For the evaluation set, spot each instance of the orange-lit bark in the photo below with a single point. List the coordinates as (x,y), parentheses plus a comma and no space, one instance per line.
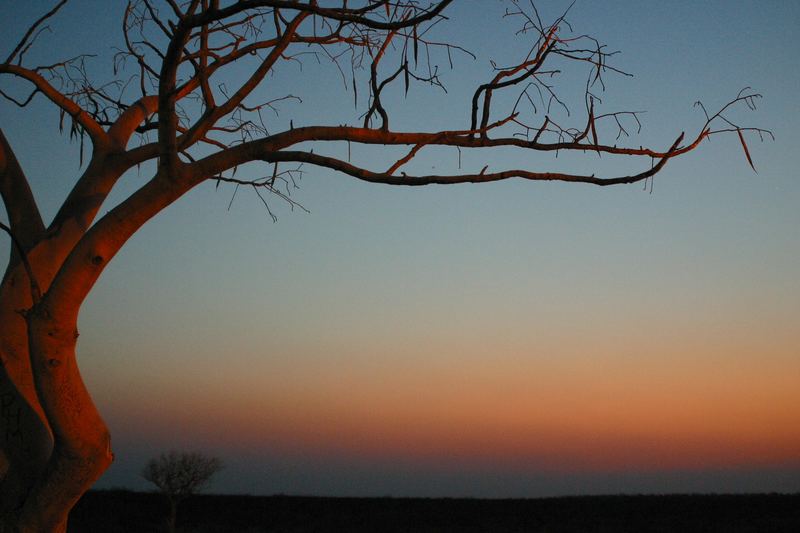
(81,443)
(26,440)
(53,441)
(37,398)
(26,443)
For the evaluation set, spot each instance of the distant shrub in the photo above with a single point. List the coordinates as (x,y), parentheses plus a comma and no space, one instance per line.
(178,475)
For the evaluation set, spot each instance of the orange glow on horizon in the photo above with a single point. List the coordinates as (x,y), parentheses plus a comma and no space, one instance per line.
(564,413)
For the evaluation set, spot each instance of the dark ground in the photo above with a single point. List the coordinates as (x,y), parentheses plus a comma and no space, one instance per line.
(123,511)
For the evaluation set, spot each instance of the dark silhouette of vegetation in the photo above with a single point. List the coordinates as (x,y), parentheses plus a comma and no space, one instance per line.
(131,512)
(178,475)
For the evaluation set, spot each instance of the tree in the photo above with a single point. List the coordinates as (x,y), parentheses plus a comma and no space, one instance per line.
(178,108)
(179,475)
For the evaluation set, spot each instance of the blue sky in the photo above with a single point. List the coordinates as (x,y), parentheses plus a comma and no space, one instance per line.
(428,341)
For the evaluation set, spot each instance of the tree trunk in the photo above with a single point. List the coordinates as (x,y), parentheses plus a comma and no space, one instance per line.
(25,439)
(64,445)
(172,521)
(81,442)
(53,443)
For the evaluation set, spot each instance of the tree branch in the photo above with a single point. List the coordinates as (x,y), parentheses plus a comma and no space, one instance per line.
(219,162)
(214,114)
(340,14)
(482,177)
(23,43)
(36,293)
(89,192)
(24,218)
(78,114)
(130,119)
(104,238)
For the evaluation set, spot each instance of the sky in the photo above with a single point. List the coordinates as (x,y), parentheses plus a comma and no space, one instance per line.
(513,339)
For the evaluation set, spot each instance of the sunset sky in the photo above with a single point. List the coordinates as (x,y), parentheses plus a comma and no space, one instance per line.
(512,339)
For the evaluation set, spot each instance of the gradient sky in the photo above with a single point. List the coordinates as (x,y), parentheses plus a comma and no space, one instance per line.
(511,339)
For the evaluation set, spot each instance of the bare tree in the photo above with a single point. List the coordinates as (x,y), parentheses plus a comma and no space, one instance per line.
(178,475)
(173,106)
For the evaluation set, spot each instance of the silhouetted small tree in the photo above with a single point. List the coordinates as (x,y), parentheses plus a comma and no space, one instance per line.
(178,475)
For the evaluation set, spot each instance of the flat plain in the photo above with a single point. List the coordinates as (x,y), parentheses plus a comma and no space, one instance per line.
(121,511)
